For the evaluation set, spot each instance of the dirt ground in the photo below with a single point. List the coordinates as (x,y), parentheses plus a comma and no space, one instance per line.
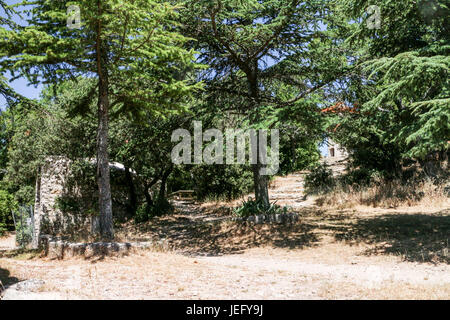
(331,271)
(358,253)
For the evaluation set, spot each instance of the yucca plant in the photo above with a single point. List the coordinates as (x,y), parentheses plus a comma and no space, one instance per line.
(252,207)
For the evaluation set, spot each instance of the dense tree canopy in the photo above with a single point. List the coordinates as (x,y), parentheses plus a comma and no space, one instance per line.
(266,60)
(401,92)
(132,48)
(119,83)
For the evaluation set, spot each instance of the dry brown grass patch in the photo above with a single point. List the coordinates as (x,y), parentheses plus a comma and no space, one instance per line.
(387,195)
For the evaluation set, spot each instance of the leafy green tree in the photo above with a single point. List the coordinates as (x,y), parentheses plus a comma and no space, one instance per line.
(6,22)
(264,56)
(7,204)
(142,145)
(403,89)
(48,129)
(131,48)
(145,147)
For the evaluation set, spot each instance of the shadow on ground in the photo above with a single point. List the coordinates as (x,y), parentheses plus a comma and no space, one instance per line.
(221,237)
(6,279)
(415,237)
(22,254)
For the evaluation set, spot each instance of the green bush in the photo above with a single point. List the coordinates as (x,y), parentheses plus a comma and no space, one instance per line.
(161,207)
(362,177)
(24,230)
(253,207)
(320,179)
(221,181)
(142,213)
(7,205)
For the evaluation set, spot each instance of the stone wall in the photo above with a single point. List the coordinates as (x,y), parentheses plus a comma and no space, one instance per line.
(51,185)
(55,182)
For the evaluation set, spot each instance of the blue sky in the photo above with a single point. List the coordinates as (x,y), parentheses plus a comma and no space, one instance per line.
(20,85)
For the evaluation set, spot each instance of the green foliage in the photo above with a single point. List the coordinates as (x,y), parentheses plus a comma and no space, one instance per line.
(132,48)
(6,20)
(272,64)
(362,177)
(403,88)
(7,205)
(141,52)
(320,179)
(297,156)
(48,130)
(420,86)
(227,181)
(252,207)
(24,230)
(57,129)
(269,63)
(370,141)
(142,214)
(161,207)
(68,204)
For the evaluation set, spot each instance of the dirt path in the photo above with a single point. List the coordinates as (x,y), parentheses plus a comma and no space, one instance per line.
(258,274)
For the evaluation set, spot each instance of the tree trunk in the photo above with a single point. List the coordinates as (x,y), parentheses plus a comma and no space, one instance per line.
(148,197)
(162,189)
(103,174)
(260,181)
(261,185)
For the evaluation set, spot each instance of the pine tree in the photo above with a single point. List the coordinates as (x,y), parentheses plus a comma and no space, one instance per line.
(6,21)
(407,72)
(265,54)
(130,47)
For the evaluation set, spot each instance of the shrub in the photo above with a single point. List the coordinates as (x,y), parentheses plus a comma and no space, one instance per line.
(161,207)
(7,205)
(221,181)
(320,179)
(252,207)
(361,177)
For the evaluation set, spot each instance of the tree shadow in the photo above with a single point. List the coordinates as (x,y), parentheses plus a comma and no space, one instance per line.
(223,237)
(20,253)
(6,279)
(415,237)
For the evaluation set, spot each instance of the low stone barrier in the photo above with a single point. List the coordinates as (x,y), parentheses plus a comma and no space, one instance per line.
(58,249)
(285,218)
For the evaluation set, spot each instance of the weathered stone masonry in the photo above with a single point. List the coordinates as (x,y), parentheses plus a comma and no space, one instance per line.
(49,186)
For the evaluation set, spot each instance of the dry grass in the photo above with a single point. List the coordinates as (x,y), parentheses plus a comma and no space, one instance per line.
(412,234)
(217,238)
(391,194)
(385,291)
(331,271)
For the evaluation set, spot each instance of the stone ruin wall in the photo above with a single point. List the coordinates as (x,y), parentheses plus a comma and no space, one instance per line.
(50,185)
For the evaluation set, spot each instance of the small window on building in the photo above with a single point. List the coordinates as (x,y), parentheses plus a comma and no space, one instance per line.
(332,152)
